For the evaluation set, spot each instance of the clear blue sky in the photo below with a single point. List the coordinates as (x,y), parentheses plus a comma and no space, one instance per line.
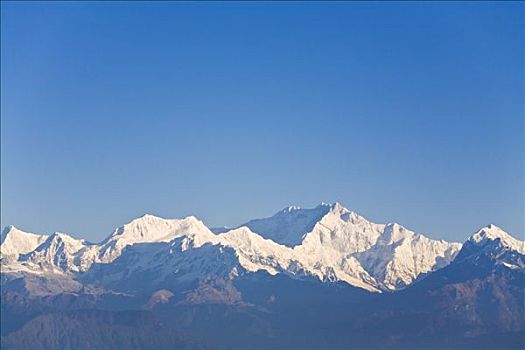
(402,112)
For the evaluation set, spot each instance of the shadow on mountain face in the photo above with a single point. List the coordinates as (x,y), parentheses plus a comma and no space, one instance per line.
(476,302)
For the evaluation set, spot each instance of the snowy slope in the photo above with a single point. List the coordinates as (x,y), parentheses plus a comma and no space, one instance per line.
(150,266)
(63,252)
(257,253)
(290,225)
(399,256)
(150,228)
(491,246)
(15,241)
(342,245)
(328,242)
(492,233)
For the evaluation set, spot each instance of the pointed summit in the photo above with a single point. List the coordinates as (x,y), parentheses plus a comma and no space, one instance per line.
(491,247)
(336,207)
(494,233)
(5,231)
(58,250)
(59,238)
(15,241)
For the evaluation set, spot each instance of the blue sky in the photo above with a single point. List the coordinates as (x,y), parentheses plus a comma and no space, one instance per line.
(402,112)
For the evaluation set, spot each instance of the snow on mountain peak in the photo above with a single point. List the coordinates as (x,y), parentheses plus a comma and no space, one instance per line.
(288,226)
(335,207)
(290,209)
(394,232)
(332,242)
(60,237)
(393,255)
(6,231)
(150,228)
(400,255)
(257,253)
(59,250)
(328,241)
(15,241)
(493,233)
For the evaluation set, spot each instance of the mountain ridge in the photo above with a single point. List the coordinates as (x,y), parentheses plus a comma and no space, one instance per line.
(350,283)
(339,245)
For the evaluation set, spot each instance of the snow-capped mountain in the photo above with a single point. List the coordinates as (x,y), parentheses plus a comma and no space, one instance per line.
(491,246)
(14,241)
(347,247)
(290,225)
(276,284)
(399,256)
(150,228)
(61,252)
(328,242)
(494,233)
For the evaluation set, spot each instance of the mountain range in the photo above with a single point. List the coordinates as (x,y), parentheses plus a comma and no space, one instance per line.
(324,277)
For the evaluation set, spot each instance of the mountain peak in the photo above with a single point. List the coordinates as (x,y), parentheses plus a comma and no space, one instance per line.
(150,228)
(323,206)
(338,208)
(153,219)
(7,231)
(15,241)
(149,216)
(288,226)
(327,241)
(493,233)
(60,236)
(289,209)
(58,239)
(146,218)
